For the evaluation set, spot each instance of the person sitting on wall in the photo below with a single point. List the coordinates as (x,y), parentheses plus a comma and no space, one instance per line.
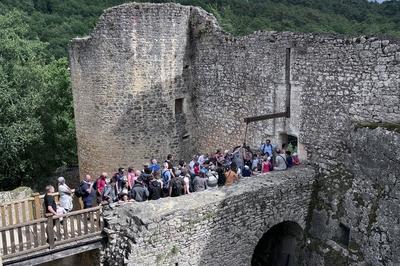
(267,147)
(280,161)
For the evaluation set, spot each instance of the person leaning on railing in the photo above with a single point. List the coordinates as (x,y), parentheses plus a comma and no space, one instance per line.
(50,206)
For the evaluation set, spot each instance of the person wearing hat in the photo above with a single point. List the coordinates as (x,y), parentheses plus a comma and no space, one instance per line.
(65,194)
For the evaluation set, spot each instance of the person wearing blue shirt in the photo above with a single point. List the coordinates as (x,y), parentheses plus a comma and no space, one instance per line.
(267,147)
(154,166)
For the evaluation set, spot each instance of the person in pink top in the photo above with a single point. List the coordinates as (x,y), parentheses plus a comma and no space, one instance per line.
(265,166)
(100,185)
(131,177)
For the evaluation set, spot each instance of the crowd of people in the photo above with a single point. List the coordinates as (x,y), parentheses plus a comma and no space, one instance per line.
(173,178)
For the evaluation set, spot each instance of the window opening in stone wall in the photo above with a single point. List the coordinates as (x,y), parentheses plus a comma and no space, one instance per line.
(344,235)
(179,106)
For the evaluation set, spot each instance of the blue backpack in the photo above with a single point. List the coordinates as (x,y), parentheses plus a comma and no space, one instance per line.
(165,179)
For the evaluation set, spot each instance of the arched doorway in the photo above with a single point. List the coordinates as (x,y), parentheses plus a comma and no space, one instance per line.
(281,245)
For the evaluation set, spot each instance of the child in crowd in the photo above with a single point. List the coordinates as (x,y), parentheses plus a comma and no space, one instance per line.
(265,166)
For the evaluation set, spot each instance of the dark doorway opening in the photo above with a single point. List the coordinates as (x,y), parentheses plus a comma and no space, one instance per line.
(289,142)
(281,245)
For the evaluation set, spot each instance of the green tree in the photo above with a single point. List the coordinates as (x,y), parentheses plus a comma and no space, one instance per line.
(35,106)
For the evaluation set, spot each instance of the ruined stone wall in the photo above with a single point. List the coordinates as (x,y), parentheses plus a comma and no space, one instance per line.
(181,52)
(140,58)
(336,83)
(364,199)
(126,77)
(220,227)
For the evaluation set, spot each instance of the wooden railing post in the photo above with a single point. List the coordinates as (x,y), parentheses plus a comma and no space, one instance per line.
(50,230)
(37,206)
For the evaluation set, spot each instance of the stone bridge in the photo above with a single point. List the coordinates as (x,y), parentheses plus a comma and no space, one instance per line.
(259,219)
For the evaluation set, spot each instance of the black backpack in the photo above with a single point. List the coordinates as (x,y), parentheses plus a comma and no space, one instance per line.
(176,187)
(78,191)
(155,190)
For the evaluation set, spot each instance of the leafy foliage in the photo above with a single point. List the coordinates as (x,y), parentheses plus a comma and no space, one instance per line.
(36,124)
(57,22)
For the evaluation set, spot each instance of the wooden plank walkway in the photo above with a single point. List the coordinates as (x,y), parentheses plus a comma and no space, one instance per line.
(25,231)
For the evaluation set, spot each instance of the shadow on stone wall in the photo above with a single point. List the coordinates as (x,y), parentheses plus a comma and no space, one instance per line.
(267,237)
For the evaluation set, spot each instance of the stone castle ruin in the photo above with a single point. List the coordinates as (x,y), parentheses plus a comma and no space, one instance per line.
(154,79)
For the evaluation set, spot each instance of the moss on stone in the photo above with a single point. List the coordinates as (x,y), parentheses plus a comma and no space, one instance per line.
(174,250)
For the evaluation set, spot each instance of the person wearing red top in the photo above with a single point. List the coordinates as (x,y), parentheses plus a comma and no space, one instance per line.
(101,184)
(196,168)
(265,166)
